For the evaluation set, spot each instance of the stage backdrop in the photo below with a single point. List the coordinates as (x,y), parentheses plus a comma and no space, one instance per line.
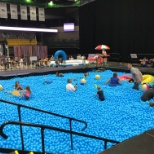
(127,26)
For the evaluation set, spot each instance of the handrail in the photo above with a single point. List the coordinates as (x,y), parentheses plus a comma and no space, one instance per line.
(51,113)
(43,127)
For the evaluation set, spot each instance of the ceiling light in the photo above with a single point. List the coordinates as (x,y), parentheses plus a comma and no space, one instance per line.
(29,29)
(28,1)
(50,3)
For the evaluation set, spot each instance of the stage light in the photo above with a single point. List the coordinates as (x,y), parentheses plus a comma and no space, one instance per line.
(28,1)
(29,29)
(50,3)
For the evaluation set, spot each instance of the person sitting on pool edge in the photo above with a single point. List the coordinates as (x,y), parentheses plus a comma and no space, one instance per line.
(148,94)
(113,81)
(17,86)
(26,93)
(100,93)
(70,86)
(144,62)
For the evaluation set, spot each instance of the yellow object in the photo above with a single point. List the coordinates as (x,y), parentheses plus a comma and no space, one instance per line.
(18,42)
(147,79)
(97,77)
(1,87)
(16,93)
(16,152)
(31,152)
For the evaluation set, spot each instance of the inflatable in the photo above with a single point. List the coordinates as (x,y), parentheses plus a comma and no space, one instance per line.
(125,77)
(83,81)
(97,77)
(147,79)
(60,53)
(145,87)
(75,62)
(16,93)
(1,87)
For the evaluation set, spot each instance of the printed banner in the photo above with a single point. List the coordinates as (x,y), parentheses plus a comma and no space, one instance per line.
(32,13)
(23,12)
(13,11)
(3,10)
(41,14)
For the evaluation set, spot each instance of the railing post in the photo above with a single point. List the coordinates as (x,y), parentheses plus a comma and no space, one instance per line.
(71,138)
(42,138)
(105,145)
(22,140)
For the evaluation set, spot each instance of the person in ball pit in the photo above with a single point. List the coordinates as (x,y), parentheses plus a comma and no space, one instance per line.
(70,86)
(113,81)
(17,86)
(100,93)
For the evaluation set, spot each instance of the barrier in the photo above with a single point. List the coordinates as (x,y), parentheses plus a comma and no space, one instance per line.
(60,53)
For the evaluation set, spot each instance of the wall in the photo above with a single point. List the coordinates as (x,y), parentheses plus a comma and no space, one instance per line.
(67,41)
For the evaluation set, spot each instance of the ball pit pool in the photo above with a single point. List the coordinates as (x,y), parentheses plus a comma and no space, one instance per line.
(121,116)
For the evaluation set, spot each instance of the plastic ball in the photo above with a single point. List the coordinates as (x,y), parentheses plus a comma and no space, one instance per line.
(1,87)
(82,81)
(145,87)
(97,77)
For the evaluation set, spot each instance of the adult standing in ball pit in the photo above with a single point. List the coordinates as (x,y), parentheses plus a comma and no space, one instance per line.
(100,93)
(148,94)
(104,54)
(70,86)
(113,81)
(137,76)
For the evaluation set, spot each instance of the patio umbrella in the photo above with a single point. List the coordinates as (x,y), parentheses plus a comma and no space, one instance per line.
(101,47)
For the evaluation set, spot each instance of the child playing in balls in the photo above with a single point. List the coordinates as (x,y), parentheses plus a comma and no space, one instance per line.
(113,81)
(59,74)
(26,93)
(17,86)
(100,93)
(86,74)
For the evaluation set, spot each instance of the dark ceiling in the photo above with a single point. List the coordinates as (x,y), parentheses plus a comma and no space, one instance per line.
(45,3)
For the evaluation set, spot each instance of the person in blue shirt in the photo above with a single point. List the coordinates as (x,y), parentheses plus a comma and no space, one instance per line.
(113,81)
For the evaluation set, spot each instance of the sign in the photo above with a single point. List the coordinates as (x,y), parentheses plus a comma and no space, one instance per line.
(23,12)
(3,10)
(32,13)
(33,58)
(41,14)
(13,11)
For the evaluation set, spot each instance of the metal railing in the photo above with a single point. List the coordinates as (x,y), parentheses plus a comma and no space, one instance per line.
(43,127)
(50,113)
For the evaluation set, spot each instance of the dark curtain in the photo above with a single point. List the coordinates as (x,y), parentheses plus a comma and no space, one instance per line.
(86,28)
(127,26)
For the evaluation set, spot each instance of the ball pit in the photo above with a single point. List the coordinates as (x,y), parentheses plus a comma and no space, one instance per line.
(121,116)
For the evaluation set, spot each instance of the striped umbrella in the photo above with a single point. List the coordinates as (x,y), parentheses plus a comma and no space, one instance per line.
(101,47)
